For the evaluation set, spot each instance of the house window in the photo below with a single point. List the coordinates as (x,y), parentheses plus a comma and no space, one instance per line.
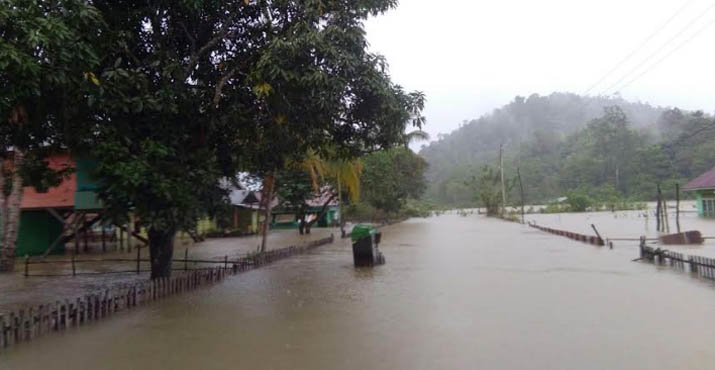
(709,207)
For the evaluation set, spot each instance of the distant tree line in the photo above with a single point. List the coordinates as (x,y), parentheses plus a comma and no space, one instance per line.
(562,147)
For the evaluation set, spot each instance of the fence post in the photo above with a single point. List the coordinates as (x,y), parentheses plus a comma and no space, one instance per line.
(3,342)
(225,262)
(27,265)
(186,259)
(642,245)
(138,260)
(78,307)
(104,239)
(20,327)
(13,335)
(74,272)
(31,327)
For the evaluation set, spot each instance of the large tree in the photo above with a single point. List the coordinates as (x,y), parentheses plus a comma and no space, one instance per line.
(391,177)
(194,90)
(46,62)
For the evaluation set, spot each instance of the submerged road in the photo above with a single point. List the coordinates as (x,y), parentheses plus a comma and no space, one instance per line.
(456,293)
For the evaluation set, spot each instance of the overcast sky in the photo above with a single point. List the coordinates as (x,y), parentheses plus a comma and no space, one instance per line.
(471,56)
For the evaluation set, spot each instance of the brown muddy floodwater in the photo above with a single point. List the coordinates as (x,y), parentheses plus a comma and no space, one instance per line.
(456,293)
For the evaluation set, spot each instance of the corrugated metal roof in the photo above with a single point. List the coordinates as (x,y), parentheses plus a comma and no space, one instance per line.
(237,196)
(323,197)
(704,181)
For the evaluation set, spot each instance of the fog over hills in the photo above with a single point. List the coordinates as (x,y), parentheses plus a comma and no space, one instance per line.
(565,141)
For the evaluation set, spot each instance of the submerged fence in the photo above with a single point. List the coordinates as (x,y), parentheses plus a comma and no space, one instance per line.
(595,240)
(26,324)
(74,266)
(703,266)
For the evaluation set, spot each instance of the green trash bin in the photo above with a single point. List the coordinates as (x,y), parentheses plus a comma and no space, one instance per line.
(365,240)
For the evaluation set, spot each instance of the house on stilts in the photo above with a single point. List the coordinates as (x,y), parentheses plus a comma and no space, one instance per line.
(704,188)
(69,215)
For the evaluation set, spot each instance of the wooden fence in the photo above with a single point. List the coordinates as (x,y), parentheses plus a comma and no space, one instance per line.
(703,266)
(135,265)
(26,324)
(595,240)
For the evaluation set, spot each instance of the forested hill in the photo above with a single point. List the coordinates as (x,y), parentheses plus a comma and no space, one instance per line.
(564,142)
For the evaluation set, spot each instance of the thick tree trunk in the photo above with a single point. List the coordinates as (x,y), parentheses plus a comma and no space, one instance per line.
(307,227)
(11,215)
(161,251)
(301,225)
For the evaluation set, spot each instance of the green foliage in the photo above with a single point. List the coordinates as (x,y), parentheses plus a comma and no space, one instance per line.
(417,208)
(586,198)
(47,60)
(487,188)
(391,177)
(564,142)
(295,189)
(170,97)
(171,120)
(578,201)
(363,212)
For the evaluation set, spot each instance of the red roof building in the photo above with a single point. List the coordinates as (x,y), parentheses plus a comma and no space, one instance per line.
(61,196)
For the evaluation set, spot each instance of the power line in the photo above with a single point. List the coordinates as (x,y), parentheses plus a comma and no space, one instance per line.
(666,44)
(639,47)
(666,56)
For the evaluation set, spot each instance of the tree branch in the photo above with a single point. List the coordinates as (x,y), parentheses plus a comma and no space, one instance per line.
(213,41)
(188,35)
(221,83)
(322,210)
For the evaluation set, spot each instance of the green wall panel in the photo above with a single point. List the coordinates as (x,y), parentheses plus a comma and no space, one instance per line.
(38,229)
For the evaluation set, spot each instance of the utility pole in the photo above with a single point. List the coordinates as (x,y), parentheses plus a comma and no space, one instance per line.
(501,170)
(658,213)
(677,207)
(521,191)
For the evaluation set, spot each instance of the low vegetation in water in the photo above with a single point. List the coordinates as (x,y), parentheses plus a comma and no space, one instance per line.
(593,200)
(364,212)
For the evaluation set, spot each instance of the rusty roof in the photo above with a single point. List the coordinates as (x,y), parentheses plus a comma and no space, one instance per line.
(704,181)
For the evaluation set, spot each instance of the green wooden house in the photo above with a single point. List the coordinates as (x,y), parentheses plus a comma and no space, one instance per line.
(704,188)
(283,218)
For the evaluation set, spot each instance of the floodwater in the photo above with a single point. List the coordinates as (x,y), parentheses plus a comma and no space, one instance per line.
(633,224)
(456,293)
(19,291)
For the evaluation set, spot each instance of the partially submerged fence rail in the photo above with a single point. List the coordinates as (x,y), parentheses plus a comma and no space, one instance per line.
(28,323)
(703,266)
(595,240)
(121,265)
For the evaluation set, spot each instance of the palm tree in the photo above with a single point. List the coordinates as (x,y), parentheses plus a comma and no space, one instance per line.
(343,171)
(346,172)
(416,106)
(416,135)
